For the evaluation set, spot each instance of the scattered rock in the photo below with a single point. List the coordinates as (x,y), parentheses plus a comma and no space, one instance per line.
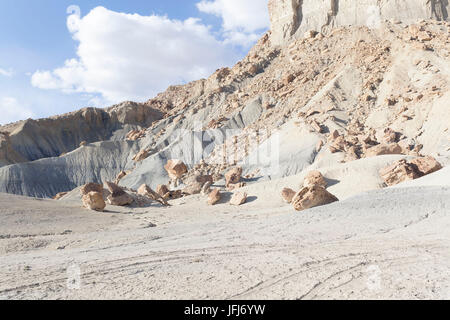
(91,187)
(288,194)
(310,197)
(173,195)
(235,186)
(426,165)
(94,201)
(175,169)
(238,198)
(315,178)
(118,196)
(145,190)
(141,156)
(233,176)
(214,197)
(399,172)
(162,190)
(384,149)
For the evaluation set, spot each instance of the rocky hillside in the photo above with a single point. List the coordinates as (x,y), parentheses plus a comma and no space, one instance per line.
(314,91)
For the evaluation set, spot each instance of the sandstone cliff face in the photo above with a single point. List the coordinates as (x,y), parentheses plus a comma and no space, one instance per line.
(292,18)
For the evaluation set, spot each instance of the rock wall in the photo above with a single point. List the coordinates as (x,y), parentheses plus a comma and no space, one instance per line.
(292,18)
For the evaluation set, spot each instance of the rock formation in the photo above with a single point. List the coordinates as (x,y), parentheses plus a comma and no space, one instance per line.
(291,19)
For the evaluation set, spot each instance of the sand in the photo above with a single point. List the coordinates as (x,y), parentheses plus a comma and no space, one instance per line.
(381,244)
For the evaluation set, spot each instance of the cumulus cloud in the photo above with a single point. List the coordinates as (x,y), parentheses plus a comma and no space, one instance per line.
(133,57)
(6,73)
(11,110)
(243,20)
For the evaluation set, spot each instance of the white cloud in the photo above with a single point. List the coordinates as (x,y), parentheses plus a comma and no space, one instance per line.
(6,73)
(11,110)
(133,57)
(243,20)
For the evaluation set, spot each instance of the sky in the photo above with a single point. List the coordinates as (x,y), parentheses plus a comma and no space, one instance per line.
(57,56)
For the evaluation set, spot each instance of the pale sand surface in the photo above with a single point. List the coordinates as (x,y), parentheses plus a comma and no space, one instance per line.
(391,243)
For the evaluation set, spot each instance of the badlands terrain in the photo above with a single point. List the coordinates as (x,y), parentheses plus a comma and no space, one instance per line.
(315,168)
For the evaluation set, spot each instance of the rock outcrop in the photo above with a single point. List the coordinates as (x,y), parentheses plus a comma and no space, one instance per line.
(310,197)
(293,18)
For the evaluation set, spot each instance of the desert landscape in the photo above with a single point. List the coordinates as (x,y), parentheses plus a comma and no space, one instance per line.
(318,167)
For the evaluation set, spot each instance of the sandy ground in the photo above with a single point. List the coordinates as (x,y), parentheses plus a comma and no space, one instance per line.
(391,243)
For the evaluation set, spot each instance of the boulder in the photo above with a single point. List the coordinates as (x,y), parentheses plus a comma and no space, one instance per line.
(194,184)
(175,169)
(94,201)
(426,165)
(238,198)
(162,189)
(214,197)
(233,176)
(310,197)
(399,172)
(91,187)
(315,178)
(288,194)
(118,196)
(384,149)
(145,190)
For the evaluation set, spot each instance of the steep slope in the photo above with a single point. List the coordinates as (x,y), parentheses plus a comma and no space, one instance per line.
(275,110)
(31,140)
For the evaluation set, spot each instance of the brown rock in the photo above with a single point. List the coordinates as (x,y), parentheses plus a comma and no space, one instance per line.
(141,156)
(94,201)
(91,187)
(390,136)
(120,176)
(310,197)
(162,190)
(60,195)
(399,172)
(83,143)
(314,178)
(145,190)
(233,176)
(173,195)
(239,198)
(426,165)
(214,197)
(194,184)
(288,194)
(384,149)
(120,200)
(176,169)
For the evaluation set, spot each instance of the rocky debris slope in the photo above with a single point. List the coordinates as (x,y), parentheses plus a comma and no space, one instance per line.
(318,100)
(293,18)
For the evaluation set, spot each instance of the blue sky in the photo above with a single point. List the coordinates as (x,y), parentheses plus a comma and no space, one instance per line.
(54,61)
